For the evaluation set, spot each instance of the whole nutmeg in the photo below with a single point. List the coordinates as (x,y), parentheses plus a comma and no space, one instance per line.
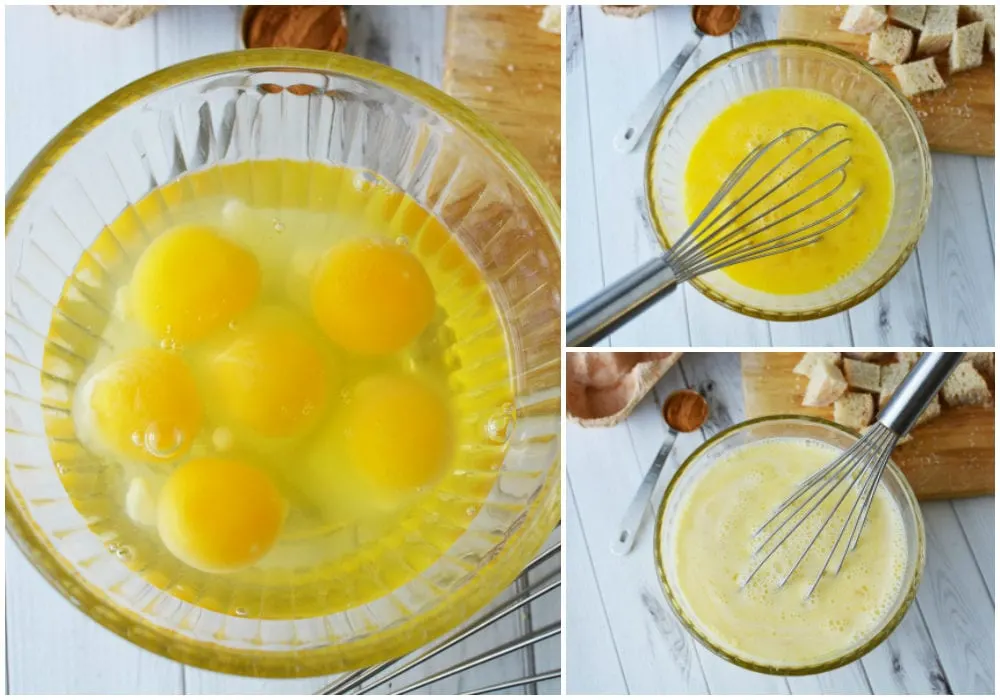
(322,27)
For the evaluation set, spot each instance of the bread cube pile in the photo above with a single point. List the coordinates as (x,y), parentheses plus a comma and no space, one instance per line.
(859,384)
(907,37)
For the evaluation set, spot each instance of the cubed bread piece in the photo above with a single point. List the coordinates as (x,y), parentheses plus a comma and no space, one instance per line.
(863,19)
(868,356)
(889,44)
(909,15)
(976,13)
(940,24)
(810,359)
(933,410)
(965,387)
(892,376)
(908,358)
(918,76)
(826,385)
(984,362)
(966,50)
(854,410)
(862,375)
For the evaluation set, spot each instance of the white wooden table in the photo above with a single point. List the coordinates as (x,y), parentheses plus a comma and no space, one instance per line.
(621,636)
(944,294)
(56,68)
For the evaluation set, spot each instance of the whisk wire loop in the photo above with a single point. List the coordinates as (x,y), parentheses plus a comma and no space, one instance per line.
(717,239)
(862,463)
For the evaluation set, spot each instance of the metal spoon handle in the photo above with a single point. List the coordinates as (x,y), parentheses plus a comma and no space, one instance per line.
(918,390)
(610,309)
(638,121)
(625,539)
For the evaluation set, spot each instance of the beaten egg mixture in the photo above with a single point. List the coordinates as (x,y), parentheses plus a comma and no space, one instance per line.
(758,118)
(289,380)
(712,554)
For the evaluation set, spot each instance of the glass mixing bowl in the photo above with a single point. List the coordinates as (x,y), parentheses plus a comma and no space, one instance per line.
(307,106)
(802,427)
(802,64)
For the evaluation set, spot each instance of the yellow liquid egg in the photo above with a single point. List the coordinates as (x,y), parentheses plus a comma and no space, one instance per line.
(398,432)
(191,281)
(271,378)
(144,405)
(219,515)
(330,358)
(755,120)
(372,296)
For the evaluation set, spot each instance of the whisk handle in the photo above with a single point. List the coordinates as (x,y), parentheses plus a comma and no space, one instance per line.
(918,390)
(619,303)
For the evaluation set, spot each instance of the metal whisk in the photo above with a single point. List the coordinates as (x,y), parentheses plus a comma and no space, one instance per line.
(856,472)
(733,234)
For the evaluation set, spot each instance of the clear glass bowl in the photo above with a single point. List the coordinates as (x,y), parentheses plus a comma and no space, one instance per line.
(788,426)
(802,64)
(307,106)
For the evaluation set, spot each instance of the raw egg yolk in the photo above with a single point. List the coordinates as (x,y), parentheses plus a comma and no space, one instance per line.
(272,378)
(190,281)
(219,515)
(372,296)
(145,405)
(398,432)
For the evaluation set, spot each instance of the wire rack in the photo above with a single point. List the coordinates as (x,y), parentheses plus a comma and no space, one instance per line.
(419,671)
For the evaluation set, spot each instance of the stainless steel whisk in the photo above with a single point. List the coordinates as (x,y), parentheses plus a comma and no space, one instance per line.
(863,463)
(718,239)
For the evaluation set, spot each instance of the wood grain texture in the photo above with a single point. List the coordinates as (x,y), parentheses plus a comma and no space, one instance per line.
(620,633)
(958,119)
(508,70)
(949,457)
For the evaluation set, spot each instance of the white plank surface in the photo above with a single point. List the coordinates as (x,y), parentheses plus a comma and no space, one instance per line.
(51,647)
(620,632)
(943,296)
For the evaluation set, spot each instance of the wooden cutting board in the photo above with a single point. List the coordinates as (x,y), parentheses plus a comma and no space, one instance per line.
(503,66)
(950,456)
(958,119)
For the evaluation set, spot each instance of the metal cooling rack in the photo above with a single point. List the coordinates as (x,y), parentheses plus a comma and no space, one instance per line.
(528,588)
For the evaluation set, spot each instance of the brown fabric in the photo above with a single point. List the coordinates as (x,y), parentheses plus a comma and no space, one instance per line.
(602,388)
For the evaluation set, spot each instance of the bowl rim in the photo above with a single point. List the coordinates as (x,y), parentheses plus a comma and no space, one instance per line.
(919,223)
(421,628)
(842,660)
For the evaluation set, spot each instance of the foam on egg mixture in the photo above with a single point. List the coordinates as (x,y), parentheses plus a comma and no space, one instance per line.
(710,554)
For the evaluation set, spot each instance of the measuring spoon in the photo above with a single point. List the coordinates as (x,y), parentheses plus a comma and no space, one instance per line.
(706,20)
(684,411)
